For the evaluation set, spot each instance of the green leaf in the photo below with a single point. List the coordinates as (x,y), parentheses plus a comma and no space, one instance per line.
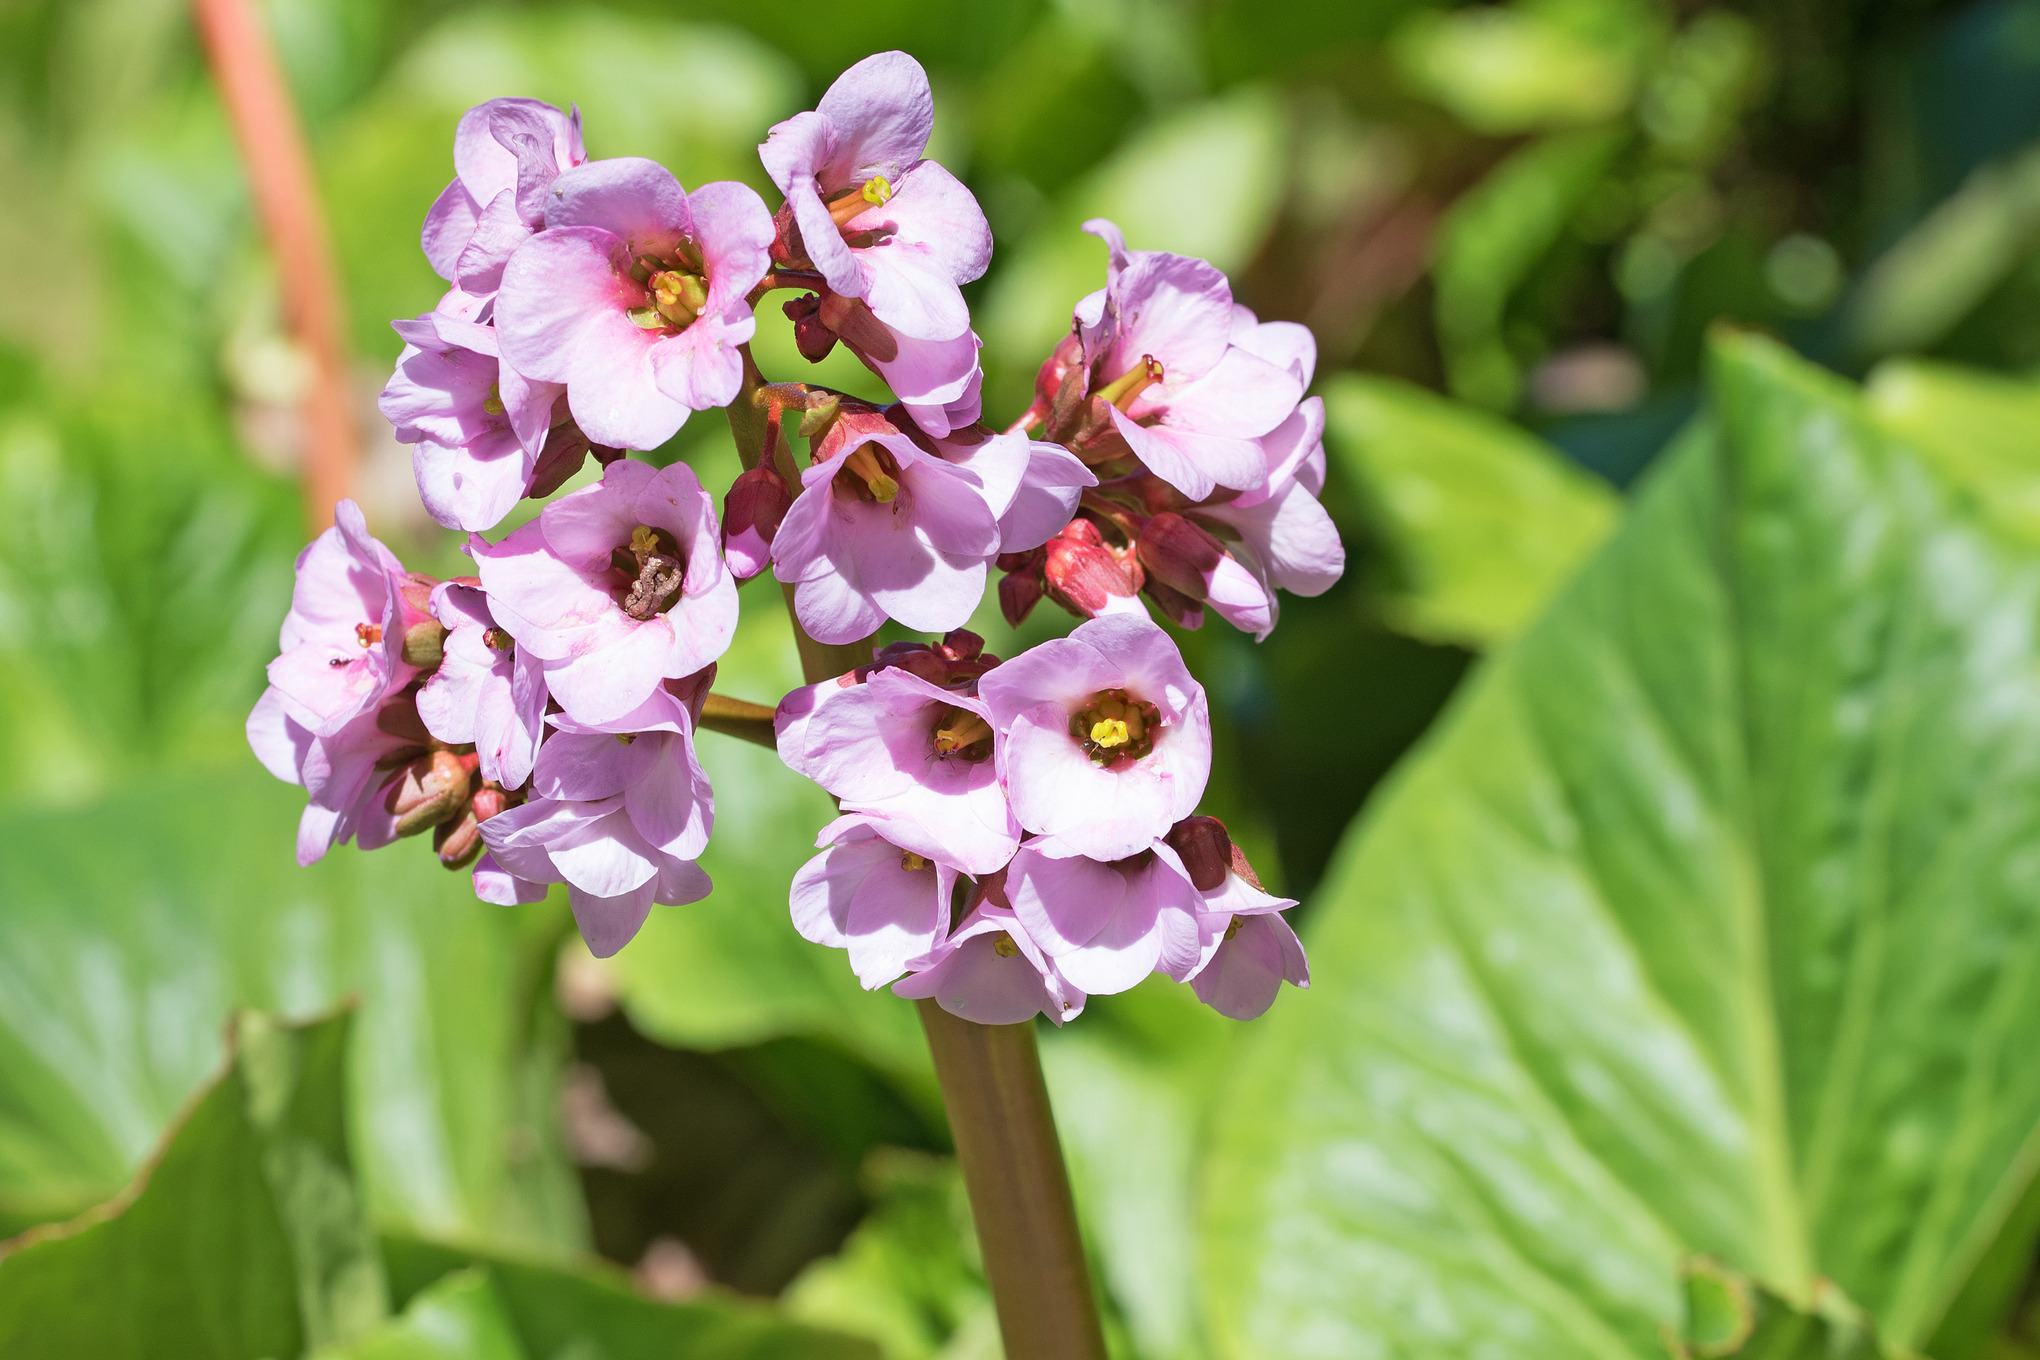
(1703,924)
(1980,431)
(1728,1314)
(245,1238)
(134,927)
(593,1314)
(1526,67)
(1483,521)
(1491,241)
(461,1317)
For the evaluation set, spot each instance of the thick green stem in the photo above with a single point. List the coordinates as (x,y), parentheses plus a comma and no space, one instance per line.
(991,1081)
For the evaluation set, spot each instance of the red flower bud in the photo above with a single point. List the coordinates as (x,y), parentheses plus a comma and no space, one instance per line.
(1180,554)
(788,250)
(756,503)
(1021,588)
(1059,387)
(810,335)
(1083,574)
(1205,848)
(851,318)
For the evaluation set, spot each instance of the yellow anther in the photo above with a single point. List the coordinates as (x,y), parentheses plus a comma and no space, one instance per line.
(1003,946)
(1232,927)
(493,403)
(865,464)
(625,738)
(644,540)
(877,190)
(1111,732)
(966,729)
(368,634)
(874,192)
(912,862)
(1123,389)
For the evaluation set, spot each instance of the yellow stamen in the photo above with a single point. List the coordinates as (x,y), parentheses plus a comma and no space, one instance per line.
(644,540)
(678,296)
(1003,946)
(865,464)
(967,729)
(1123,389)
(874,193)
(493,403)
(625,738)
(912,862)
(1232,927)
(368,634)
(1111,732)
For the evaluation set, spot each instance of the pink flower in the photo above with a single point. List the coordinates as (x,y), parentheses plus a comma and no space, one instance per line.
(884,226)
(1161,377)
(634,297)
(1107,925)
(486,691)
(476,426)
(884,528)
(343,641)
(938,381)
(1243,950)
(647,756)
(915,754)
(868,895)
(990,970)
(1184,556)
(499,887)
(752,512)
(1106,737)
(506,154)
(615,587)
(344,775)
(1052,480)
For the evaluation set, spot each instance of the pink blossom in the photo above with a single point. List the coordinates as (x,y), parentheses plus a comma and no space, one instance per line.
(1184,556)
(884,528)
(486,691)
(1241,950)
(477,427)
(622,811)
(1161,376)
(342,642)
(752,512)
(883,226)
(344,775)
(867,894)
(615,587)
(499,887)
(1052,480)
(991,971)
(1280,532)
(634,297)
(938,381)
(1106,737)
(1107,925)
(506,154)
(910,752)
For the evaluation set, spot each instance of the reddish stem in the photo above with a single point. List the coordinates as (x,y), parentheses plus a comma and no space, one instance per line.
(279,169)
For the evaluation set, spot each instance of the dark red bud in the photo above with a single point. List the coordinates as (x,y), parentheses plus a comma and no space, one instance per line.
(1180,554)
(960,644)
(788,250)
(756,503)
(1177,607)
(1244,869)
(852,319)
(1059,387)
(566,449)
(1021,588)
(1205,848)
(810,335)
(1082,574)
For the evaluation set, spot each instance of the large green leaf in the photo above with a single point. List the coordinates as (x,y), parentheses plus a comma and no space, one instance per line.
(245,1239)
(1482,522)
(1705,923)
(132,928)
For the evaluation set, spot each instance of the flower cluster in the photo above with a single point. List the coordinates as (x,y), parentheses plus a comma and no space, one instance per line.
(1014,836)
(1018,836)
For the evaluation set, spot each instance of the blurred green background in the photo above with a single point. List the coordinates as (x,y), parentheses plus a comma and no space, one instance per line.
(1512,228)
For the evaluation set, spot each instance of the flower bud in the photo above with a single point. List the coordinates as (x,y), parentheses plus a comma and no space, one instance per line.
(1180,554)
(1187,567)
(813,338)
(1084,575)
(851,318)
(1059,387)
(431,790)
(1205,848)
(788,250)
(417,592)
(756,503)
(459,841)
(425,644)
(1021,588)
(488,801)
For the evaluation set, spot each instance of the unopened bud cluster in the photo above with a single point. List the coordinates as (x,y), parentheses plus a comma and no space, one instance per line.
(1015,836)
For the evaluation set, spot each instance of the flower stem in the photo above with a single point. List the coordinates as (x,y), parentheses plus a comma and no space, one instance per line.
(286,197)
(739,718)
(992,1088)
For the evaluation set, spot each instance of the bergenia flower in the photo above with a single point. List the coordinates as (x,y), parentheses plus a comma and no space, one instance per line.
(1105,737)
(342,643)
(1052,480)
(913,753)
(486,692)
(634,297)
(613,875)
(990,970)
(1244,951)
(477,426)
(872,897)
(884,528)
(345,775)
(1107,925)
(615,588)
(647,756)
(939,382)
(506,154)
(885,227)
(1161,378)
